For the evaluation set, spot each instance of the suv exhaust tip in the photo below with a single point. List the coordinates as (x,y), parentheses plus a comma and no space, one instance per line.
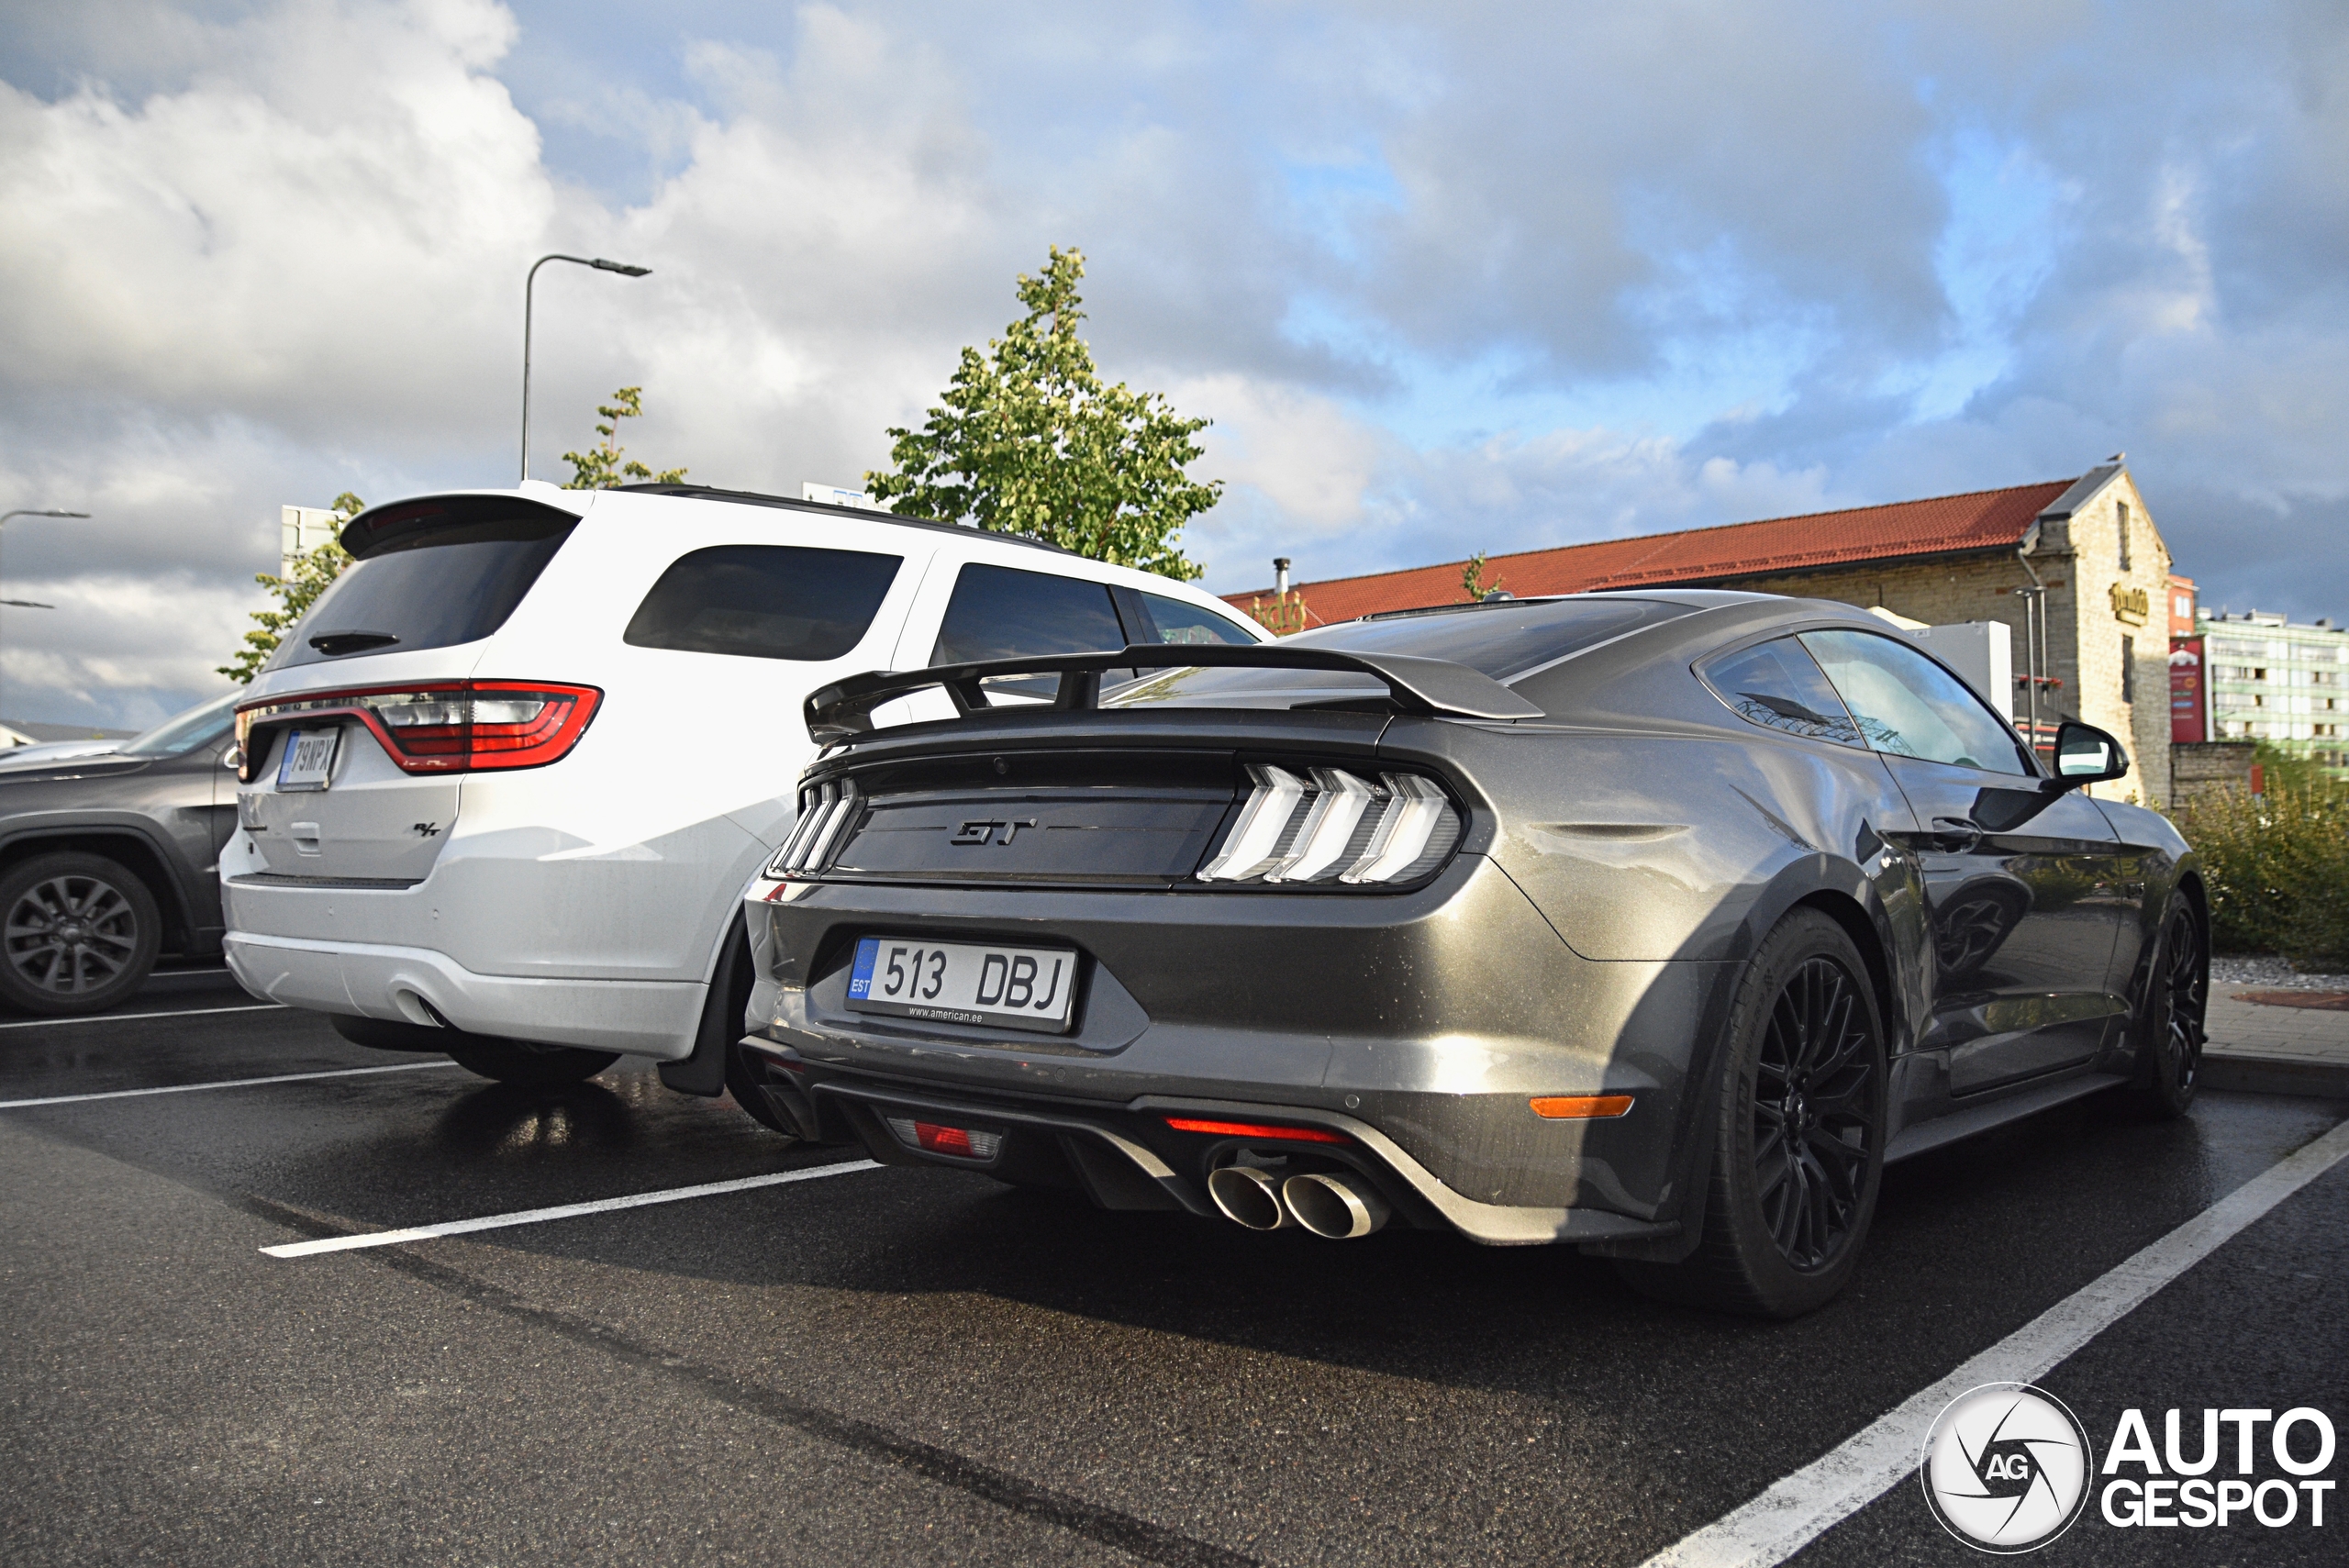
(1249,1197)
(1340,1207)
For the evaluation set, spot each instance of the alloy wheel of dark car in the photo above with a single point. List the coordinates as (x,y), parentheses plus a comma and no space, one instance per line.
(2169,1049)
(1799,1155)
(79,933)
(1814,1138)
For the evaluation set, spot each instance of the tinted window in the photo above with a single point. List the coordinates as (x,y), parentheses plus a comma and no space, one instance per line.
(1174,621)
(1910,707)
(1503,640)
(999,612)
(765,601)
(449,576)
(1779,686)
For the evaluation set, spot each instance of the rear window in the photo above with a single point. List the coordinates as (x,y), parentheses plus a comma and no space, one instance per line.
(431,575)
(765,601)
(1503,640)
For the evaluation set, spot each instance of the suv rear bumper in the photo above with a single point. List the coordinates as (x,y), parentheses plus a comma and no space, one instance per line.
(406,984)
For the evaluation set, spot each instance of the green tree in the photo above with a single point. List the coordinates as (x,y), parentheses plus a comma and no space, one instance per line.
(1473,586)
(312,575)
(606,465)
(1030,442)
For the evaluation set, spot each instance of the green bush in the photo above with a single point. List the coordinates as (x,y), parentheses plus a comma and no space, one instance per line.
(2279,870)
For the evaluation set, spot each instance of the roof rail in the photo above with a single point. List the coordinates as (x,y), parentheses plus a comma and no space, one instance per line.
(831,509)
(1418,686)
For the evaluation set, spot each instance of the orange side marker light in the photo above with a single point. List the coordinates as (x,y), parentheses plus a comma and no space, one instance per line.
(1581,1108)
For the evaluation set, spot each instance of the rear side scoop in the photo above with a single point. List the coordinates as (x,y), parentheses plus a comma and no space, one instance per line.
(1417,685)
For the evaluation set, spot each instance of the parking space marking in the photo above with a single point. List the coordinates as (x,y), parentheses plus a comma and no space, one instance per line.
(223,1084)
(560,1211)
(126,1017)
(1822,1494)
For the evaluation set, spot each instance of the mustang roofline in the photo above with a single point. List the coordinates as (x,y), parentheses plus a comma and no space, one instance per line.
(1418,686)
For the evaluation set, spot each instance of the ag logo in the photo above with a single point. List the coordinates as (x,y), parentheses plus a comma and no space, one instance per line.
(2007,1468)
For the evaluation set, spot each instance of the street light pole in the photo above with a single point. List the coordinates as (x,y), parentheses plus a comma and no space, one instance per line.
(530,283)
(31,512)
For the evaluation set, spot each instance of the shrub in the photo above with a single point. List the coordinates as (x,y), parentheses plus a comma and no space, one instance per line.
(2278,866)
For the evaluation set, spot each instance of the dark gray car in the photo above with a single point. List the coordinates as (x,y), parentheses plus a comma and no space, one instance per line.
(1652,922)
(109,862)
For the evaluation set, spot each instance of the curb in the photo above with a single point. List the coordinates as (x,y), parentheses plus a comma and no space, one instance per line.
(2274,1075)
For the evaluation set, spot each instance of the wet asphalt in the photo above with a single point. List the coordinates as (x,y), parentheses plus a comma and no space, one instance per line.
(920,1367)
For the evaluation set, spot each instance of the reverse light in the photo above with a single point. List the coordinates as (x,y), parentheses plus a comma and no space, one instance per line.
(443,727)
(1581,1108)
(1328,825)
(1256,1129)
(936,1138)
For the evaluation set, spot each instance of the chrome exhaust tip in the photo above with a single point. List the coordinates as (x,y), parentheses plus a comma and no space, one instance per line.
(1247,1196)
(1341,1207)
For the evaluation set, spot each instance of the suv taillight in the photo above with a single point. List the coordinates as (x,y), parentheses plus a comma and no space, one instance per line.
(1327,825)
(440,726)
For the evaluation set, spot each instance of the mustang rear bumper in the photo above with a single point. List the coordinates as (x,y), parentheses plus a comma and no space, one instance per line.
(1418,1026)
(1129,1157)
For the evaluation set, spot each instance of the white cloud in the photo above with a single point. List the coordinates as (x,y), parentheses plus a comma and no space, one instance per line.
(1590,273)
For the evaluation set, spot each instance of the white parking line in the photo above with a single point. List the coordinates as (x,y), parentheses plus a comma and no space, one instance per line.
(125,1017)
(223,1084)
(560,1211)
(1822,1494)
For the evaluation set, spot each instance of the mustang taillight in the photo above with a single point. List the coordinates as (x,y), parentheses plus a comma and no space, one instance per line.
(440,726)
(1327,825)
(824,810)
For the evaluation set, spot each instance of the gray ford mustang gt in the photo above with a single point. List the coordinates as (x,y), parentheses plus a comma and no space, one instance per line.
(1654,922)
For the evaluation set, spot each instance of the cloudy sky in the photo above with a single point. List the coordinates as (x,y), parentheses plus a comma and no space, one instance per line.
(1446,277)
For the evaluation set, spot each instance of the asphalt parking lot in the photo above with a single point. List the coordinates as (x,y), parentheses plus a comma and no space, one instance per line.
(890,1365)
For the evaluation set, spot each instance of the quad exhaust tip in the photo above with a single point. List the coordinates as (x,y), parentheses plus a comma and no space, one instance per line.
(1336,1206)
(1248,1197)
(1341,1207)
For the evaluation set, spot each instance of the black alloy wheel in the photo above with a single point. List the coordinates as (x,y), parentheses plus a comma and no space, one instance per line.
(2170,1017)
(79,933)
(1798,1131)
(1815,1131)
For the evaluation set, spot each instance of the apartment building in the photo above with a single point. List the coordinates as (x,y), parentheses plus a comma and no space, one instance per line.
(2279,681)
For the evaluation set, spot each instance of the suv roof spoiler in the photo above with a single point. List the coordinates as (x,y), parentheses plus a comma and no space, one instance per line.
(1418,686)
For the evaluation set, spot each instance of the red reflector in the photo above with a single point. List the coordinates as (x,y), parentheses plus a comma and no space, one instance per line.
(1581,1108)
(1255,1130)
(942,1140)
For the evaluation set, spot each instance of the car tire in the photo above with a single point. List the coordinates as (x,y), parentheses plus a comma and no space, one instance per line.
(2169,1019)
(78,934)
(1804,1059)
(530,1066)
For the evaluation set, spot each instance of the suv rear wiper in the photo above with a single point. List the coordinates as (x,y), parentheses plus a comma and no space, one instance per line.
(332,643)
(1417,685)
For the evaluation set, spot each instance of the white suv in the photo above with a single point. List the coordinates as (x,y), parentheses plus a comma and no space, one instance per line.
(504,787)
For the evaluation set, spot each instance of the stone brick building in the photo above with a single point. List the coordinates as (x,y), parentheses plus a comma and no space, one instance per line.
(2075,567)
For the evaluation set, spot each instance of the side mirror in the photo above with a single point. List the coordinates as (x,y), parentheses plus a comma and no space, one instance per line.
(2085,754)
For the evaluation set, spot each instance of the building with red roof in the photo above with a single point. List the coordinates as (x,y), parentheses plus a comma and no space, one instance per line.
(2073,567)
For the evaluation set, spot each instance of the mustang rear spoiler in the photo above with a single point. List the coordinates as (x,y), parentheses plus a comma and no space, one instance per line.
(1417,685)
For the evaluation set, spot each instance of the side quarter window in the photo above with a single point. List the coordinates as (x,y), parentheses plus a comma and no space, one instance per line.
(1172,620)
(765,601)
(1777,686)
(1910,707)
